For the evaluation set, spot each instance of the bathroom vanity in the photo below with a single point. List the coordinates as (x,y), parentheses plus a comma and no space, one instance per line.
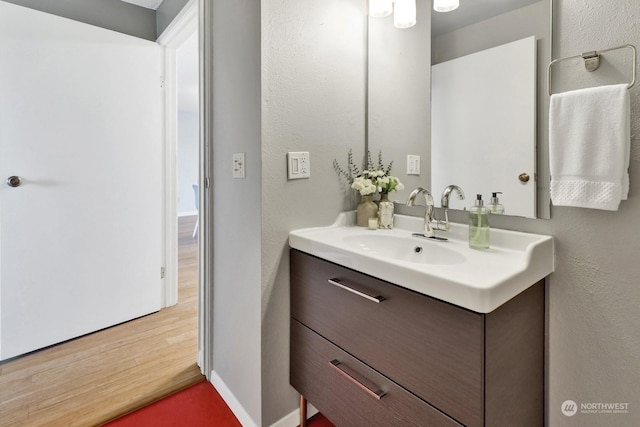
(372,352)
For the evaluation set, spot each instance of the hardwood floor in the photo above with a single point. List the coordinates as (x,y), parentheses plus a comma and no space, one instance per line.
(95,378)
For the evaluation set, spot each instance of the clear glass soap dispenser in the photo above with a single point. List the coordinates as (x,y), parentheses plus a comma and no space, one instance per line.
(479,225)
(495,207)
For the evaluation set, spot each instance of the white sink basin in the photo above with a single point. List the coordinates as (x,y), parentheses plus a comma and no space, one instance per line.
(479,280)
(404,248)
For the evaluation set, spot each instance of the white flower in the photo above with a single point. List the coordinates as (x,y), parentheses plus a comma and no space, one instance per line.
(376,181)
(364,186)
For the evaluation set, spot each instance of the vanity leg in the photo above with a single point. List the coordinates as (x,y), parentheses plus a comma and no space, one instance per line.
(303,411)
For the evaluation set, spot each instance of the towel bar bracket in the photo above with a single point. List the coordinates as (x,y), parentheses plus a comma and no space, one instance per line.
(591,60)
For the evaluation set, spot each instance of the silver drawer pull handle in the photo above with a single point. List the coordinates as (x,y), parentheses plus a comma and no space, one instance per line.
(349,374)
(336,282)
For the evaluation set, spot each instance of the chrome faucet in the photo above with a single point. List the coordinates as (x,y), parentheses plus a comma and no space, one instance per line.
(428,214)
(444,204)
(430,223)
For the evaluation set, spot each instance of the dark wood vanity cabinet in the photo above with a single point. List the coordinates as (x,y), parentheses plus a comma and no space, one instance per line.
(366,352)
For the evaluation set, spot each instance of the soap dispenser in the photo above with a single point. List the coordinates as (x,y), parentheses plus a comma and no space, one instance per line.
(479,225)
(495,207)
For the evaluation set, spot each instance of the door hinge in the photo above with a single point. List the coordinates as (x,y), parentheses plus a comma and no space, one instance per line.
(206,182)
(162,270)
(161,82)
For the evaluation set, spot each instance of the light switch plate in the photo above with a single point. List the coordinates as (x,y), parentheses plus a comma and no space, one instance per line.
(238,165)
(413,164)
(298,164)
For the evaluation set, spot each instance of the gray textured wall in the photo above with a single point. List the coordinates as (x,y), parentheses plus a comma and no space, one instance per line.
(237,202)
(594,344)
(111,14)
(313,77)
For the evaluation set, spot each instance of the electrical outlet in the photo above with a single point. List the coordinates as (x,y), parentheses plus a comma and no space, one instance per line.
(298,164)
(238,165)
(413,164)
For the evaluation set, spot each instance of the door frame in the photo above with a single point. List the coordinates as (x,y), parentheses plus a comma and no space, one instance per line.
(170,40)
(176,33)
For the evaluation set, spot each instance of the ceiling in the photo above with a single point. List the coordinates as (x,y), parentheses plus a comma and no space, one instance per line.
(149,4)
(472,11)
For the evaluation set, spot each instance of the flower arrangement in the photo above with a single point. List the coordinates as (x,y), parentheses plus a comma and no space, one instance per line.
(373,179)
(364,186)
(386,183)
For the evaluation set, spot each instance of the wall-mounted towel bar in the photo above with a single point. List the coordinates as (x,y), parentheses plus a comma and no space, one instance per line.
(592,62)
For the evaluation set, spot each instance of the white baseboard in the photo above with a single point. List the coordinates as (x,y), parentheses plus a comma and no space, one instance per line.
(290,420)
(233,403)
(293,419)
(187,213)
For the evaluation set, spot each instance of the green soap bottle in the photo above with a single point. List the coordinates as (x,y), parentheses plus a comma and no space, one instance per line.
(479,225)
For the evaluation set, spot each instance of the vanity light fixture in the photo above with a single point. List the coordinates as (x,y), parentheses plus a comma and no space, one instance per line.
(445,5)
(404,14)
(380,8)
(404,11)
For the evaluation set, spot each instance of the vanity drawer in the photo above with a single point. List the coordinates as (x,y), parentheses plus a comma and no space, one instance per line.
(432,348)
(350,392)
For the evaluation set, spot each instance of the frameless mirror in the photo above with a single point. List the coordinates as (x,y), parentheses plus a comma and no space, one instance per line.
(440,90)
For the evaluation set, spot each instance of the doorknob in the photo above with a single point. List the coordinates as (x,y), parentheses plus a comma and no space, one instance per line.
(523,177)
(14,181)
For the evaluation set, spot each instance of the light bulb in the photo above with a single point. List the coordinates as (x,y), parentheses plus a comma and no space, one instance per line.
(380,8)
(404,14)
(445,5)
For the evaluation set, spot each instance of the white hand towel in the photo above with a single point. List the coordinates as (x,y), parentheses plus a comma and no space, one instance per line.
(589,143)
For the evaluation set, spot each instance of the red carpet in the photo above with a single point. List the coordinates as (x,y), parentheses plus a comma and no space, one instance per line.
(318,420)
(198,405)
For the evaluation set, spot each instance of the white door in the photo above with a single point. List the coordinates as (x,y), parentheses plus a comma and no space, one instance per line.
(483,135)
(80,238)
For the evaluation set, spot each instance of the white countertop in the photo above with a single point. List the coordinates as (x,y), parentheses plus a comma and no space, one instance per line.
(479,280)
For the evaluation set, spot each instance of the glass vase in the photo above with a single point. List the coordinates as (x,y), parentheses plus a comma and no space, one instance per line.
(385,212)
(366,209)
